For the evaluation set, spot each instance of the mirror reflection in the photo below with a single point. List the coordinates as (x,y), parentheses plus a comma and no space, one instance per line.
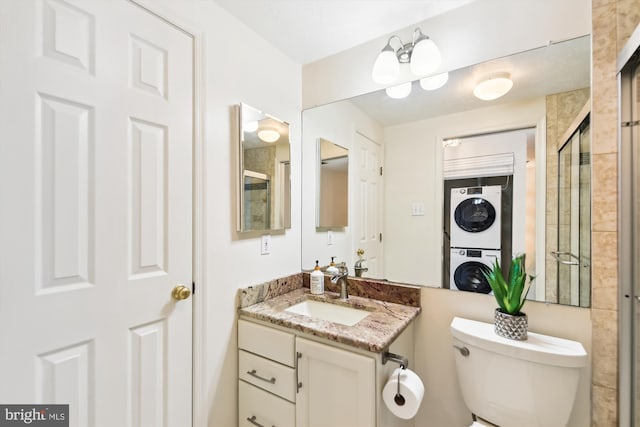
(264,164)
(550,89)
(333,185)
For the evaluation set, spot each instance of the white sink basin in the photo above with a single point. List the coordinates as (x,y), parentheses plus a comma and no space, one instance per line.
(331,312)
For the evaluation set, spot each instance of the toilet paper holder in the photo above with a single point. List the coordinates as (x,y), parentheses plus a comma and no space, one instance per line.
(401,360)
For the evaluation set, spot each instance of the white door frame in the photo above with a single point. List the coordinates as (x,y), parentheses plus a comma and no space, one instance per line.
(199,413)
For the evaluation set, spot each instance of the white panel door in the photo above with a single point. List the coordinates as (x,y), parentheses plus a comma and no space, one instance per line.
(367,204)
(95,211)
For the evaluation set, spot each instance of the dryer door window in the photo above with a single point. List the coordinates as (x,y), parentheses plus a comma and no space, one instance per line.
(469,277)
(475,215)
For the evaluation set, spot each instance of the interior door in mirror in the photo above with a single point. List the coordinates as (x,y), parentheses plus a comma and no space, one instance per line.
(333,188)
(264,181)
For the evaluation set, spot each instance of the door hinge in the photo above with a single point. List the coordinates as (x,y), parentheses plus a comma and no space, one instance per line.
(380,170)
(380,237)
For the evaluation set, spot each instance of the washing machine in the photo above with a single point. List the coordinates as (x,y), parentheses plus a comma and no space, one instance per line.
(475,217)
(467,267)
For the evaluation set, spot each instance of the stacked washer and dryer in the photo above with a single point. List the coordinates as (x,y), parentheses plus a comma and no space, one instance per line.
(475,236)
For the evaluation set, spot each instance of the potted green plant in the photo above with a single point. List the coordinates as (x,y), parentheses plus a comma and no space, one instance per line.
(510,321)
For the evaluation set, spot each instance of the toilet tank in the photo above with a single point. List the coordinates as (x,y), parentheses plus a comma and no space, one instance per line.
(511,383)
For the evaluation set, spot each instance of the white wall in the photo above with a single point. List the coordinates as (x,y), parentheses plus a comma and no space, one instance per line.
(239,66)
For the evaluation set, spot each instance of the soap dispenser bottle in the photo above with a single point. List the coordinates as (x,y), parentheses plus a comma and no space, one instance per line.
(332,269)
(317,280)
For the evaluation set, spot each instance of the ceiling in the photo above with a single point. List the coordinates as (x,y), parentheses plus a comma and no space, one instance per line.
(309,30)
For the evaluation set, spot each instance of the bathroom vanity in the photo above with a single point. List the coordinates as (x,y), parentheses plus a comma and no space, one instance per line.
(303,370)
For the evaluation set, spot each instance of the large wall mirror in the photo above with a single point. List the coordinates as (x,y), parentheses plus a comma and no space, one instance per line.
(435,143)
(264,179)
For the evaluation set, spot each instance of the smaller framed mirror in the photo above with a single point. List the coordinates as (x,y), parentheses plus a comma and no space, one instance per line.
(265,172)
(333,189)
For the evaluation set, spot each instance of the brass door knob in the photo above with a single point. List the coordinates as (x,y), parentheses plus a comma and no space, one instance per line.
(181,292)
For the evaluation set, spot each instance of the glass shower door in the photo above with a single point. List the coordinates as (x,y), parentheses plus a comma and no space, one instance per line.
(574,219)
(629,234)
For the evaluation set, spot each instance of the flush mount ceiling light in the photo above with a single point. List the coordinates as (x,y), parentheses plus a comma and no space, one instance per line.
(268,135)
(434,82)
(493,86)
(400,91)
(422,54)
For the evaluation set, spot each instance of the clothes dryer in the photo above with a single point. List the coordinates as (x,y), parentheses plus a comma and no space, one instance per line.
(467,268)
(475,217)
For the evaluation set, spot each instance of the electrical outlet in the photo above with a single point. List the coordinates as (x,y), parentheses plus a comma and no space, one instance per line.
(265,245)
(329,238)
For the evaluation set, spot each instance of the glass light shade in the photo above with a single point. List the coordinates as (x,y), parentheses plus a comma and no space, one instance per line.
(386,68)
(268,135)
(493,87)
(400,91)
(434,82)
(425,57)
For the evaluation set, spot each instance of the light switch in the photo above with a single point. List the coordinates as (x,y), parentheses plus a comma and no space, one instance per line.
(265,243)
(329,238)
(417,209)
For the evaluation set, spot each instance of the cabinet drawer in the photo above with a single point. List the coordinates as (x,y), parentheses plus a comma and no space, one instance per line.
(268,342)
(259,408)
(264,373)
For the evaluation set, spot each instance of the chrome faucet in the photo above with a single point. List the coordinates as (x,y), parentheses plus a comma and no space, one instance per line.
(359,269)
(341,277)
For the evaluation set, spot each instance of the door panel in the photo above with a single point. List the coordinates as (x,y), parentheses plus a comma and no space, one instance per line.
(367,204)
(95,219)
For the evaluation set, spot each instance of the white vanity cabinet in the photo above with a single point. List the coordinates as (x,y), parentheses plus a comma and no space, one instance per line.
(289,380)
(266,369)
(337,387)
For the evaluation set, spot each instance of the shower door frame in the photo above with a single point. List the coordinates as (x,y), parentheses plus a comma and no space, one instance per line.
(628,65)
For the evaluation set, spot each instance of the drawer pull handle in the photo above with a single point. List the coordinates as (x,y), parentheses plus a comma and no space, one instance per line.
(254,374)
(253,421)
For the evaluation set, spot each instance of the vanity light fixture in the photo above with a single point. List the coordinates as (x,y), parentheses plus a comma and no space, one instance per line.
(422,54)
(434,82)
(493,86)
(399,91)
(268,135)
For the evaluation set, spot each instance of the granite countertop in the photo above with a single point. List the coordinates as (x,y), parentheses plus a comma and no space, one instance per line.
(374,333)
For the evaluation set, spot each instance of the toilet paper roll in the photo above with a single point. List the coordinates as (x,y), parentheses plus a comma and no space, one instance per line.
(411,389)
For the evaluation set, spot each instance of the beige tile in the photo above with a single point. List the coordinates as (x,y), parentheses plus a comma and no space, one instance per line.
(604,125)
(628,17)
(569,105)
(604,193)
(604,38)
(605,347)
(604,410)
(604,133)
(604,270)
(599,3)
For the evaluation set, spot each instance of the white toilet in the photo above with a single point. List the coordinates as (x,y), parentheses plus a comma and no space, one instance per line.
(511,383)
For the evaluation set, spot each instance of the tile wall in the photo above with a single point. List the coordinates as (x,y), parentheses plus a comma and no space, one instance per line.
(613,21)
